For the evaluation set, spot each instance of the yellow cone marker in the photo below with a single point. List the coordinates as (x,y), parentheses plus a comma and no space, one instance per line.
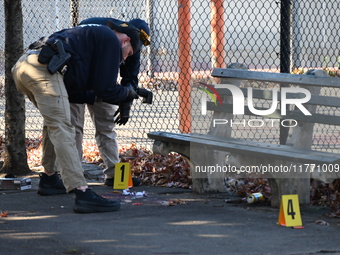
(123,176)
(289,215)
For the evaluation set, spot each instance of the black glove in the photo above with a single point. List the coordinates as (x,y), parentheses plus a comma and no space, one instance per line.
(132,93)
(123,113)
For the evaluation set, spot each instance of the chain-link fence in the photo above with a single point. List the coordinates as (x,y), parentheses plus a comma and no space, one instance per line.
(189,38)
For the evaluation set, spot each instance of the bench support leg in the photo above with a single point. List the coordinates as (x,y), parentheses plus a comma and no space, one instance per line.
(203,179)
(287,186)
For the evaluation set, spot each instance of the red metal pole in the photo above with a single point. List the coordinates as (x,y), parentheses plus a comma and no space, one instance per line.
(184,63)
(217,34)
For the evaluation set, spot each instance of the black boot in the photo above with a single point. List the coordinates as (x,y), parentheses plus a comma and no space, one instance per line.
(89,202)
(50,185)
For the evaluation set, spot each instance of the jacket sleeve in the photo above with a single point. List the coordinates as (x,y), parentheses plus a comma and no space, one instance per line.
(130,69)
(105,68)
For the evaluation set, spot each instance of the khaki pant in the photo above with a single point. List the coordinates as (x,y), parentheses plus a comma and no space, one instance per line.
(106,137)
(47,92)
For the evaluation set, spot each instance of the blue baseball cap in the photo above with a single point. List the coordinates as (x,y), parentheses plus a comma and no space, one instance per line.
(141,25)
(144,31)
(126,27)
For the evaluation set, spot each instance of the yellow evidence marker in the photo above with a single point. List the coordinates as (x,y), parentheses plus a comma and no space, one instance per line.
(123,176)
(290,215)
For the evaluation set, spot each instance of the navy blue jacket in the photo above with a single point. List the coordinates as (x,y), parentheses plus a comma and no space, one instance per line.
(92,70)
(129,70)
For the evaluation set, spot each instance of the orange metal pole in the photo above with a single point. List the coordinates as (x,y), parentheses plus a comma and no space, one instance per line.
(217,34)
(184,63)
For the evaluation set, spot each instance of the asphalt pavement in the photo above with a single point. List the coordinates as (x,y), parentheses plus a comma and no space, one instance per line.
(157,220)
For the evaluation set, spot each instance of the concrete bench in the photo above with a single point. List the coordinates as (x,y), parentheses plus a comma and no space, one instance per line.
(220,148)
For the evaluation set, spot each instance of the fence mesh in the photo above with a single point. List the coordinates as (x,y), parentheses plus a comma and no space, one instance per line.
(189,38)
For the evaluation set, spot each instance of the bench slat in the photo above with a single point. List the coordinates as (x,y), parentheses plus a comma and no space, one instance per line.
(283,78)
(170,137)
(250,148)
(267,95)
(296,115)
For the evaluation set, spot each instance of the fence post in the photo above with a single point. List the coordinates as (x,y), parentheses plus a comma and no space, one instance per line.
(285,36)
(74,7)
(151,49)
(285,53)
(217,34)
(184,63)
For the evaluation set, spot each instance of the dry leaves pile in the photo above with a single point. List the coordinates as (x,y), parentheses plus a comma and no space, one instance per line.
(153,169)
(174,171)
(324,194)
(34,149)
(244,186)
(330,71)
(91,153)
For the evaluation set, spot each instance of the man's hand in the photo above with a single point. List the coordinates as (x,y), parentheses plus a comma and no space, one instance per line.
(123,113)
(132,93)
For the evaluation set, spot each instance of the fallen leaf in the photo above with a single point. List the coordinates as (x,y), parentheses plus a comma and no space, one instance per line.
(174,202)
(321,222)
(3,214)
